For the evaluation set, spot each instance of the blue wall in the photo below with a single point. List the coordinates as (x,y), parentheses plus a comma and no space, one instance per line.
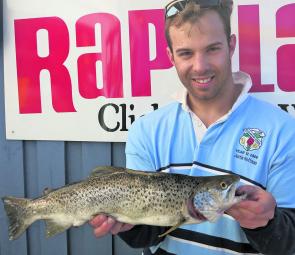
(27,167)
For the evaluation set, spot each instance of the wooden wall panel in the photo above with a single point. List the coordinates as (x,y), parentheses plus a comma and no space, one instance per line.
(89,155)
(11,167)
(44,168)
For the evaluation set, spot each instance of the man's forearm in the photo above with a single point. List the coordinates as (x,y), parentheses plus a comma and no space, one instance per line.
(278,236)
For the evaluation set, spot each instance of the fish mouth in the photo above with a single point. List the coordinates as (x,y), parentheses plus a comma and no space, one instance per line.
(234,193)
(240,195)
(194,212)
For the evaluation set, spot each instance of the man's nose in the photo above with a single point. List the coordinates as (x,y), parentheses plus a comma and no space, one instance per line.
(199,63)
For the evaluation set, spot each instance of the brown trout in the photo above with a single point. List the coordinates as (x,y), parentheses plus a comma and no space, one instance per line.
(135,197)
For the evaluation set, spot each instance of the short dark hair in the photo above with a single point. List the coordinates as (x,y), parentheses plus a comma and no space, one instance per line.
(192,12)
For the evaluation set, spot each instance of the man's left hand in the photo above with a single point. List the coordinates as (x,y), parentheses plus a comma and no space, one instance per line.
(256,210)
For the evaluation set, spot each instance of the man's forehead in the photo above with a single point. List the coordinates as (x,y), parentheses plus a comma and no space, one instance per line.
(208,22)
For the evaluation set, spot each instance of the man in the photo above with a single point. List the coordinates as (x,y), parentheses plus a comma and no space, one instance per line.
(215,127)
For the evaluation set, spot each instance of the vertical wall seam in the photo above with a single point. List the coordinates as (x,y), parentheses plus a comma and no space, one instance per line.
(24,150)
(67,179)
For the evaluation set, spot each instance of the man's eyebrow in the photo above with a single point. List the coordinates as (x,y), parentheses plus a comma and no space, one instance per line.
(214,44)
(182,50)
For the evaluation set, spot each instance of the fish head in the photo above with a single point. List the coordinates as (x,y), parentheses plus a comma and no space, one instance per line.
(214,196)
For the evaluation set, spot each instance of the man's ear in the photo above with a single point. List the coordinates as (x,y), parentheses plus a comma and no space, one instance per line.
(170,55)
(232,44)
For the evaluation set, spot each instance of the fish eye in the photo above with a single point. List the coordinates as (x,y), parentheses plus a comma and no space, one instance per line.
(223,185)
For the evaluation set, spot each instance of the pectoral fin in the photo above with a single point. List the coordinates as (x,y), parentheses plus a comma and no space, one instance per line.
(53,228)
(172,228)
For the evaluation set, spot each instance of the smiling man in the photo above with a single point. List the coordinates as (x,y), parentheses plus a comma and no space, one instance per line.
(215,127)
(204,68)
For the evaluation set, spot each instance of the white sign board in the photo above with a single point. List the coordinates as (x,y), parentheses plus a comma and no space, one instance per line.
(85,70)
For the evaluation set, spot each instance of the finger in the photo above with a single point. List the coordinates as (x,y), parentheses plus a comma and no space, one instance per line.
(251,191)
(98,220)
(247,219)
(116,228)
(250,219)
(126,227)
(244,213)
(263,207)
(239,213)
(120,227)
(250,209)
(252,206)
(240,208)
(104,228)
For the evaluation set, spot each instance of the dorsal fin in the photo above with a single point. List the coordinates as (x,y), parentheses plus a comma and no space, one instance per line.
(104,170)
(139,172)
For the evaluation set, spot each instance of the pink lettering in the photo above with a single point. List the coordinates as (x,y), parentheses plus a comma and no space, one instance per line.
(141,65)
(286,53)
(29,64)
(249,43)
(110,57)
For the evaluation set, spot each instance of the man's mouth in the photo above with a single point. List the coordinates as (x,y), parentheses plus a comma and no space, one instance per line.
(203,80)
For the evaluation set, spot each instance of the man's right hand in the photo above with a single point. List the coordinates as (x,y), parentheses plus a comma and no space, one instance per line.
(103,225)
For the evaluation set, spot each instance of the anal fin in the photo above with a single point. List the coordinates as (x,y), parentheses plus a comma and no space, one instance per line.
(54,228)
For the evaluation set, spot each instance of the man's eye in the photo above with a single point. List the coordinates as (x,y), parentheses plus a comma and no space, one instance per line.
(184,54)
(213,49)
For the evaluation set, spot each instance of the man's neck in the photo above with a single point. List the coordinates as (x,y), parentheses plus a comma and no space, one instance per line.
(209,111)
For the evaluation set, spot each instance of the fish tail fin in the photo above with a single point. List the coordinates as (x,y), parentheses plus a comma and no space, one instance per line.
(18,215)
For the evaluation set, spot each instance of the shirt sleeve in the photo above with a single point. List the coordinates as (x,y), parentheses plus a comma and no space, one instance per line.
(279,235)
(138,156)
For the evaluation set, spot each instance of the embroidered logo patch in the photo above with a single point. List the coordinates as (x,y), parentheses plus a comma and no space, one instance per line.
(252,139)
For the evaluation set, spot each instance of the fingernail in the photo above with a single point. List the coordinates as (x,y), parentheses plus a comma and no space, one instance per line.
(110,220)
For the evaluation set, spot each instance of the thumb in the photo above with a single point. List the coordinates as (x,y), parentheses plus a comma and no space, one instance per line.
(250,190)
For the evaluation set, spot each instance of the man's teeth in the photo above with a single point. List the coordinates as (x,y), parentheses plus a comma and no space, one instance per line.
(202,80)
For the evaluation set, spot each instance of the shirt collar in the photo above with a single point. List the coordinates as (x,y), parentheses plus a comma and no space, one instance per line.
(238,77)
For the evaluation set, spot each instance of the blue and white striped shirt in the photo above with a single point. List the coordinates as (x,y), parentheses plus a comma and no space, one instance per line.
(254,140)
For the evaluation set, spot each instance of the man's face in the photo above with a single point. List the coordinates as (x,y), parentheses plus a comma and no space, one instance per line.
(202,57)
